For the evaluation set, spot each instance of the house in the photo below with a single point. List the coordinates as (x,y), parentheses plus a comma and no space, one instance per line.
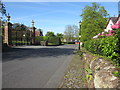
(111,21)
(117,23)
(38,33)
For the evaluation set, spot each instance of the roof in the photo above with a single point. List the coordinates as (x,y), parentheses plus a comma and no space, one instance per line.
(117,18)
(114,19)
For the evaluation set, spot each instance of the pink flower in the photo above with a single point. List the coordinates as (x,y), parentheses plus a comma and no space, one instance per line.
(110,34)
(99,34)
(103,32)
(111,31)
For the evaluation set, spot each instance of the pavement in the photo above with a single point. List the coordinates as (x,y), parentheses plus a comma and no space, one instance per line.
(75,76)
(35,66)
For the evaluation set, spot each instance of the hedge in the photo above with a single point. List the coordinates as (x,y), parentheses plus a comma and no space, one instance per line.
(54,40)
(108,46)
(20,42)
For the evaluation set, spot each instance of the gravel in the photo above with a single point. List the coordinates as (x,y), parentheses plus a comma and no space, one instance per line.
(75,74)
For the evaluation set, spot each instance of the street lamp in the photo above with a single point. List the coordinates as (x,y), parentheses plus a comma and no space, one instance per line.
(79,34)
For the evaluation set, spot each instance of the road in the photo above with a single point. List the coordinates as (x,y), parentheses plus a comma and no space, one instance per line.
(36,66)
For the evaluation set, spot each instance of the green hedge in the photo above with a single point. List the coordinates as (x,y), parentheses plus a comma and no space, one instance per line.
(108,46)
(54,40)
(20,42)
(38,39)
(41,38)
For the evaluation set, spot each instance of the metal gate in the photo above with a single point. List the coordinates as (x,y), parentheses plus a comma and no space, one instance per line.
(21,37)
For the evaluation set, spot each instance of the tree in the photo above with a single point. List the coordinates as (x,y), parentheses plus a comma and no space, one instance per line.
(2,9)
(49,34)
(19,29)
(60,35)
(76,31)
(71,32)
(94,19)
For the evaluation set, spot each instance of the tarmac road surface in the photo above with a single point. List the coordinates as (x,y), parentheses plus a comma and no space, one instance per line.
(35,66)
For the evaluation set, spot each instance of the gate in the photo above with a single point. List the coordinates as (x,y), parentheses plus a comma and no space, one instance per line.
(21,37)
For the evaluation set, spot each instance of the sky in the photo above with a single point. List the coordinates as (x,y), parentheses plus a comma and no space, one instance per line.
(52,16)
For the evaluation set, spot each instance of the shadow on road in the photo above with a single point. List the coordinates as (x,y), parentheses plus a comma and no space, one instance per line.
(24,53)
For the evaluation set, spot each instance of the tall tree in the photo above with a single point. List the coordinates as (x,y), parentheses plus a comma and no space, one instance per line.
(60,35)
(94,19)
(71,32)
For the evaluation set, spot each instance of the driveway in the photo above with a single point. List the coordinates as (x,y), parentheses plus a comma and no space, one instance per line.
(36,66)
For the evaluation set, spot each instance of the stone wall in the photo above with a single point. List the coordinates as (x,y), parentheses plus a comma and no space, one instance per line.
(99,72)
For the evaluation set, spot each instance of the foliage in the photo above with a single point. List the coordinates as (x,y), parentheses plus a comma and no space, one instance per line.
(38,39)
(19,30)
(2,9)
(53,40)
(105,46)
(60,35)
(71,32)
(94,19)
(89,74)
(20,42)
(116,73)
(50,34)
(18,26)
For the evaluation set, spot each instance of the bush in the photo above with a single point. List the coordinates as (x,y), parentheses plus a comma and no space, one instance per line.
(38,39)
(104,46)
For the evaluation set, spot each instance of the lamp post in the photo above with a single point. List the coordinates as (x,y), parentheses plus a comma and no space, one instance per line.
(79,41)
(79,34)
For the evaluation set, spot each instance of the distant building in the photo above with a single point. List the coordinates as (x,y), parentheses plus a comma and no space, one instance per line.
(38,32)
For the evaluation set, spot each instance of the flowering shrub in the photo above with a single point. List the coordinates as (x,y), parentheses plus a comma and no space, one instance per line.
(110,33)
(105,46)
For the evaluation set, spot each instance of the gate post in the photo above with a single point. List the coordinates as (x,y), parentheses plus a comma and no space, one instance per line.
(7,32)
(33,33)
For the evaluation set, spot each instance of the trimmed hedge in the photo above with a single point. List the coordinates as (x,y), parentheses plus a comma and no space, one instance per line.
(54,40)
(108,46)
(20,42)
(38,39)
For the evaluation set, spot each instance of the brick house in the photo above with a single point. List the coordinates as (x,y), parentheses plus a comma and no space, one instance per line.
(38,32)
